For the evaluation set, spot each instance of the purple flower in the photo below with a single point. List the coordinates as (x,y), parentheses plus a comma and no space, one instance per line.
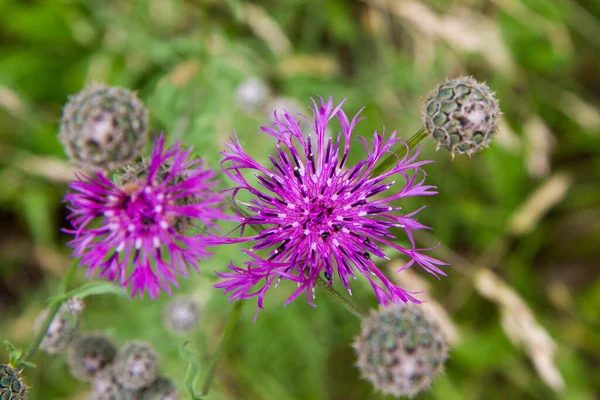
(132,232)
(315,214)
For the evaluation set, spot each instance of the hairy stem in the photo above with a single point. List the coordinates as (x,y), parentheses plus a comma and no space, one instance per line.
(389,162)
(222,346)
(52,311)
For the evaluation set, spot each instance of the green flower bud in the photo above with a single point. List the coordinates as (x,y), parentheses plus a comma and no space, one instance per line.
(103,127)
(181,315)
(462,115)
(136,365)
(400,350)
(11,384)
(90,354)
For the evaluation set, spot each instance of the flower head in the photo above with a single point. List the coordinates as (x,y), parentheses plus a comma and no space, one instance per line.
(317,215)
(133,231)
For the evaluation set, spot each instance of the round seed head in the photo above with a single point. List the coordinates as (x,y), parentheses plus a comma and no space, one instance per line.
(11,384)
(252,94)
(106,387)
(61,332)
(103,127)
(89,354)
(136,365)
(181,315)
(400,350)
(137,172)
(462,115)
(161,389)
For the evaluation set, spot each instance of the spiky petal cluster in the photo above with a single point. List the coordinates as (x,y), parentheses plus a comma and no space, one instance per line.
(400,349)
(317,215)
(139,221)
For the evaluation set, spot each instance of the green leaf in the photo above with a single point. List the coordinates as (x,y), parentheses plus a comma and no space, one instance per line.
(89,289)
(14,354)
(193,373)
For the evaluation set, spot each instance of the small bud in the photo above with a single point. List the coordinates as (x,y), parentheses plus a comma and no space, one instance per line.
(89,354)
(75,305)
(136,365)
(181,315)
(161,389)
(106,387)
(61,332)
(252,94)
(462,115)
(11,384)
(103,127)
(400,350)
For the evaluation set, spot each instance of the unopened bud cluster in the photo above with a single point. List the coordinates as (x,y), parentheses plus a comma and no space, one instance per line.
(400,350)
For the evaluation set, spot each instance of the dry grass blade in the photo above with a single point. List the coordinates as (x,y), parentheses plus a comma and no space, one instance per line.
(266,28)
(464,30)
(540,145)
(520,325)
(552,191)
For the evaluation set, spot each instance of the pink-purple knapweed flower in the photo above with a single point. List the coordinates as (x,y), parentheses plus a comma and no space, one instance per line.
(316,215)
(133,231)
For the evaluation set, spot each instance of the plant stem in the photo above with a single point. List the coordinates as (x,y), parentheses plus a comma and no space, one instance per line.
(222,346)
(336,296)
(411,143)
(52,311)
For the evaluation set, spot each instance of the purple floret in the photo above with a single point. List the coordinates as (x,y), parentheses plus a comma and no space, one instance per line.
(128,232)
(317,215)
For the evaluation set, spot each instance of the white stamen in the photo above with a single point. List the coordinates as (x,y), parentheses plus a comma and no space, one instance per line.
(160,196)
(148,189)
(164,224)
(158,209)
(295,225)
(120,247)
(306,232)
(109,213)
(335,242)
(362,213)
(291,206)
(345,230)
(339,218)
(156,242)
(281,215)
(131,227)
(138,243)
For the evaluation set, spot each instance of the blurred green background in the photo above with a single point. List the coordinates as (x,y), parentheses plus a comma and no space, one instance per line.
(520,222)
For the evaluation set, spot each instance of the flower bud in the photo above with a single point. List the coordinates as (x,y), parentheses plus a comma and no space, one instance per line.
(136,365)
(11,384)
(103,127)
(400,349)
(181,315)
(61,332)
(89,354)
(161,389)
(462,115)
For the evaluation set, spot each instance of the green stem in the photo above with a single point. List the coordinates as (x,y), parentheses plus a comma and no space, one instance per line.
(222,346)
(52,311)
(336,296)
(411,143)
